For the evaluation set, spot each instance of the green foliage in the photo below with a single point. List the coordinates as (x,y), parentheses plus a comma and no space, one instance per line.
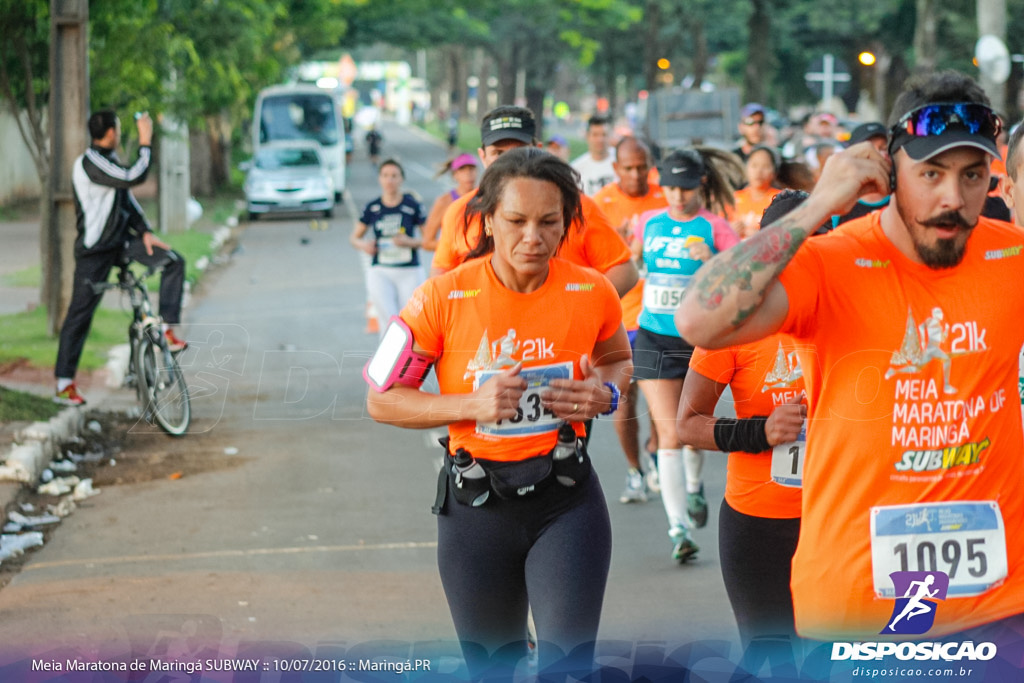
(22,406)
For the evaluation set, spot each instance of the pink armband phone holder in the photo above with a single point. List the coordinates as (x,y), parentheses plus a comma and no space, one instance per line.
(395,361)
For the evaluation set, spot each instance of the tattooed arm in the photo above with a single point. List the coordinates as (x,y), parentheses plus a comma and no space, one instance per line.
(736,296)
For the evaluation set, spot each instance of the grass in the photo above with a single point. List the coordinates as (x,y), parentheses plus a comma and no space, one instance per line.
(26,277)
(23,335)
(17,406)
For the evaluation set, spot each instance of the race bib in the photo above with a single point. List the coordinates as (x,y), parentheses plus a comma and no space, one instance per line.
(663,292)
(390,255)
(788,461)
(966,540)
(531,415)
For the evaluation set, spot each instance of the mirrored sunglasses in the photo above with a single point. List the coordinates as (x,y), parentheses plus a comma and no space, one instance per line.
(936,119)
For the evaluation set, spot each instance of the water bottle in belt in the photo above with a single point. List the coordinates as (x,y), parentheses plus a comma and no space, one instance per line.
(471,476)
(565,449)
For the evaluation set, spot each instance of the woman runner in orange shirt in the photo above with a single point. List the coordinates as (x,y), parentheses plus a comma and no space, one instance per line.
(526,347)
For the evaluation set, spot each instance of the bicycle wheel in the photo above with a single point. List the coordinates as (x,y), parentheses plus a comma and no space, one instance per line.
(163,384)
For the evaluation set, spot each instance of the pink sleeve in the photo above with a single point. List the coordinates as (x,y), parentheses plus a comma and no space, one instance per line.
(725,236)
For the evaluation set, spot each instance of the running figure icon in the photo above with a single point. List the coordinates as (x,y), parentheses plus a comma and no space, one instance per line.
(914,355)
(916,604)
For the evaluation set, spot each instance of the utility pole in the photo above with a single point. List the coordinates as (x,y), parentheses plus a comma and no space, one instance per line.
(69,109)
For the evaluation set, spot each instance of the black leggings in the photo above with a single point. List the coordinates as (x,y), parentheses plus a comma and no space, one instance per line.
(551,552)
(756,555)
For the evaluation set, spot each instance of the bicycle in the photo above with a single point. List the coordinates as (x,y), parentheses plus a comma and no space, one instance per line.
(152,367)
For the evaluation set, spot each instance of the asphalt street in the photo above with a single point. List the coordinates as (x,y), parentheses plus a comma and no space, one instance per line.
(321,540)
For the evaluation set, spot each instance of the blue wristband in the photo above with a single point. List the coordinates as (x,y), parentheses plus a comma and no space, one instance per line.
(616,395)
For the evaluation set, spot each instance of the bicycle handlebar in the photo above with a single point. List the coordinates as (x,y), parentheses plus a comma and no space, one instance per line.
(100,287)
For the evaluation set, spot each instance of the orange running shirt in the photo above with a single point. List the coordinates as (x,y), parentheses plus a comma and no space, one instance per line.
(594,244)
(762,375)
(472,323)
(746,204)
(914,438)
(619,207)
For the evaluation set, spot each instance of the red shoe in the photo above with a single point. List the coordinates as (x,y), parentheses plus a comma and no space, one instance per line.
(174,344)
(69,397)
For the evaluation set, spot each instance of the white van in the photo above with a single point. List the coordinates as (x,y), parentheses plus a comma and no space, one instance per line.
(302,111)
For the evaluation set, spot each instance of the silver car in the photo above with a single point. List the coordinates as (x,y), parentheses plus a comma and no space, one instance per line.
(289,177)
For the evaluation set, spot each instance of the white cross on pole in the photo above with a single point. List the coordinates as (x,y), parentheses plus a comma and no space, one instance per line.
(828,77)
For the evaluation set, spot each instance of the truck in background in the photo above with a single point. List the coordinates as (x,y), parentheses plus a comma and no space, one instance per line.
(676,117)
(302,111)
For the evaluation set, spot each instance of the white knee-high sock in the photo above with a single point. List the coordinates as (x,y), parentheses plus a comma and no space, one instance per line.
(693,461)
(672,477)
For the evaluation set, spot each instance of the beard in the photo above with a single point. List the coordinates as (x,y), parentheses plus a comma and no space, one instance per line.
(944,253)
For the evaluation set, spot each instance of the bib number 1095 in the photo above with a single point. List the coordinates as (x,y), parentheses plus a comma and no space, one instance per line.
(964,539)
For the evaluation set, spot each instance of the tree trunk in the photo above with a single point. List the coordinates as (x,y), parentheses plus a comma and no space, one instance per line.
(925,46)
(759,54)
(218,132)
(482,90)
(200,164)
(611,84)
(700,53)
(69,108)
(652,48)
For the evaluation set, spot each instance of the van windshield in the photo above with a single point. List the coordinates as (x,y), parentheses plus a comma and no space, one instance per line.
(298,116)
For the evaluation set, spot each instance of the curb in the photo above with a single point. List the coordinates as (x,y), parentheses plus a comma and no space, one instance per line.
(39,443)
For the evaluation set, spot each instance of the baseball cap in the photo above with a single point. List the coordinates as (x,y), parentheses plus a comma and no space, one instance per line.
(682,168)
(514,124)
(558,140)
(750,109)
(463,160)
(866,131)
(940,126)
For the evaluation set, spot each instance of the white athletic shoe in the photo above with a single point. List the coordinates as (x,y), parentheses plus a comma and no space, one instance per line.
(650,472)
(636,488)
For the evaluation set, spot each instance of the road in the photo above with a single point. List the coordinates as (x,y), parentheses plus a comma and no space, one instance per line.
(320,541)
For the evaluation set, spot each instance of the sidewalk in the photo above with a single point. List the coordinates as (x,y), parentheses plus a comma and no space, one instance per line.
(21,250)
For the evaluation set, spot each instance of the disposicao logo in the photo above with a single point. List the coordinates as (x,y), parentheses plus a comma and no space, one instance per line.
(914,612)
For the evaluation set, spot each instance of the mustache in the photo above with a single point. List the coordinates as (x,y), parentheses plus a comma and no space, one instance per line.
(949,219)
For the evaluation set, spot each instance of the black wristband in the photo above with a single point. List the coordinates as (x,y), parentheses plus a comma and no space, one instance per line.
(746,435)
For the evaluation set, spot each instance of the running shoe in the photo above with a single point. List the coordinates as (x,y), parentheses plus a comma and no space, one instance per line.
(636,489)
(697,508)
(649,461)
(69,397)
(174,343)
(684,547)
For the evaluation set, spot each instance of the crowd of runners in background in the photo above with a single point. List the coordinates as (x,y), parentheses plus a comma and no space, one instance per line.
(701,247)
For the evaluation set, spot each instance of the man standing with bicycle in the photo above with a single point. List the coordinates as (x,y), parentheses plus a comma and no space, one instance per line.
(110,224)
